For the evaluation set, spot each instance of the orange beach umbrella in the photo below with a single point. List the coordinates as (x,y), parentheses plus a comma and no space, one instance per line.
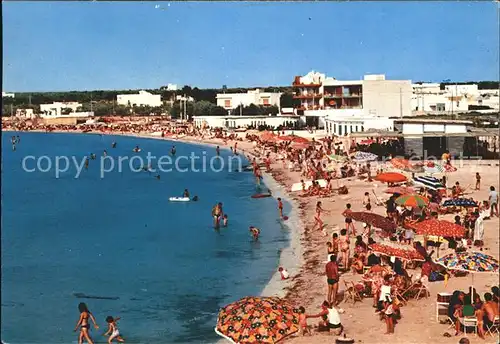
(391,177)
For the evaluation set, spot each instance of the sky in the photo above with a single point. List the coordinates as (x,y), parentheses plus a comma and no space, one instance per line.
(90,45)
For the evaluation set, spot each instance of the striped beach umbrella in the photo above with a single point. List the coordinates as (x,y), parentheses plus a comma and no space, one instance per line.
(429,182)
(433,168)
(412,201)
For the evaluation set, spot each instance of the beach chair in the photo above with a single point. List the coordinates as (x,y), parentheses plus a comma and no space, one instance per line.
(469,322)
(351,293)
(493,330)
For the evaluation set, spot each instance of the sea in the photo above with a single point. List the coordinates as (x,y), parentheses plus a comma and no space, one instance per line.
(114,241)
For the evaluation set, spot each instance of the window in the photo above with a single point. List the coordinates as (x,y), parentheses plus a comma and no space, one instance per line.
(335,127)
(362,128)
(227,103)
(350,129)
(340,130)
(345,129)
(440,107)
(265,101)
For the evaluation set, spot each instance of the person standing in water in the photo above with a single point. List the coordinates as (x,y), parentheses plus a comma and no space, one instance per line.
(13,141)
(217,151)
(255,232)
(113,145)
(186,193)
(84,324)
(105,153)
(86,163)
(173,151)
(216,214)
(280,207)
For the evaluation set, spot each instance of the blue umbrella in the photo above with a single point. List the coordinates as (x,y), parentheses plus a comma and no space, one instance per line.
(459,202)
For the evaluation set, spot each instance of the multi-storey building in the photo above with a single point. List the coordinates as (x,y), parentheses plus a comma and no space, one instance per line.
(322,99)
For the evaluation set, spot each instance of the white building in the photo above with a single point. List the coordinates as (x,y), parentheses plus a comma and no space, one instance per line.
(57,109)
(233,122)
(143,98)
(429,98)
(172,87)
(345,125)
(8,95)
(231,101)
(374,96)
(25,113)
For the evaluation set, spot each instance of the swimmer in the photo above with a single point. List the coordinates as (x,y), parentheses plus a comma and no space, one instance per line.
(216,213)
(112,331)
(186,193)
(105,153)
(157,177)
(195,198)
(113,145)
(86,163)
(255,232)
(173,151)
(217,150)
(136,149)
(92,156)
(224,220)
(221,211)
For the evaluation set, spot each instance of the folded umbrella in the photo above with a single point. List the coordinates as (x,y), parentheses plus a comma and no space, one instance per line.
(398,250)
(460,202)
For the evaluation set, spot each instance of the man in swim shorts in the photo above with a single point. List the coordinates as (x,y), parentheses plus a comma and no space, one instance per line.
(332,278)
(280,207)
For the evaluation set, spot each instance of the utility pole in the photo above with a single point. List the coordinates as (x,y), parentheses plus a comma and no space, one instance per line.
(11,111)
(400,102)
(29,99)
(241,109)
(452,102)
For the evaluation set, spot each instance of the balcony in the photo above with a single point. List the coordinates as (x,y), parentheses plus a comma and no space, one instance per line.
(343,95)
(305,85)
(307,95)
(311,107)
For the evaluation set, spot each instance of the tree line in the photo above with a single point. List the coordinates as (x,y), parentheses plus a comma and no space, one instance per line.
(102,102)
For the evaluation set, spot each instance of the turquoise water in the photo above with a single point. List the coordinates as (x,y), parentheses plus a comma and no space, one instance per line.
(118,244)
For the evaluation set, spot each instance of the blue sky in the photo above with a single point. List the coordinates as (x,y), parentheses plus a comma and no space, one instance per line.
(52,46)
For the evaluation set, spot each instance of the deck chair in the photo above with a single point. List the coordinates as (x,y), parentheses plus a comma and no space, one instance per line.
(493,330)
(469,322)
(351,293)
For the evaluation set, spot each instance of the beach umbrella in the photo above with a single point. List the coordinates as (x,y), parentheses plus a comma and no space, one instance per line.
(372,219)
(285,138)
(391,177)
(364,156)
(448,168)
(440,228)
(432,168)
(412,201)
(367,142)
(402,190)
(400,163)
(473,262)
(460,202)
(300,145)
(337,158)
(257,320)
(299,139)
(429,182)
(395,249)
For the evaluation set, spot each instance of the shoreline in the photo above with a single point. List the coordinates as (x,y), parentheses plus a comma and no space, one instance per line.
(292,256)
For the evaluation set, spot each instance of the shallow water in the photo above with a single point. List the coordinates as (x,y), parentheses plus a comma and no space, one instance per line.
(118,244)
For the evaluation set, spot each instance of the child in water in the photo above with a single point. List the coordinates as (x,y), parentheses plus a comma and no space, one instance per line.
(255,232)
(113,332)
(224,220)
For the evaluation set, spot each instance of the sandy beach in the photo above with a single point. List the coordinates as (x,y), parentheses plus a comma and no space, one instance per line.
(306,256)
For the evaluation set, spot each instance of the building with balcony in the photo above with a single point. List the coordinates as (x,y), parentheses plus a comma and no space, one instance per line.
(143,98)
(429,98)
(235,122)
(61,109)
(231,101)
(320,97)
(8,95)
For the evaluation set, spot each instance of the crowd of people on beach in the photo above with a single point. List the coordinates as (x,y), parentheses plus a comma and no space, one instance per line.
(325,165)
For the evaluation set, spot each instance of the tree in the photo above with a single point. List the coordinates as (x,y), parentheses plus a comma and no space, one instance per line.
(269,110)
(202,108)
(218,111)
(252,110)
(286,100)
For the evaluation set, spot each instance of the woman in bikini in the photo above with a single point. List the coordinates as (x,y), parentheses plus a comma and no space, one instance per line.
(317,217)
(84,324)
(344,248)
